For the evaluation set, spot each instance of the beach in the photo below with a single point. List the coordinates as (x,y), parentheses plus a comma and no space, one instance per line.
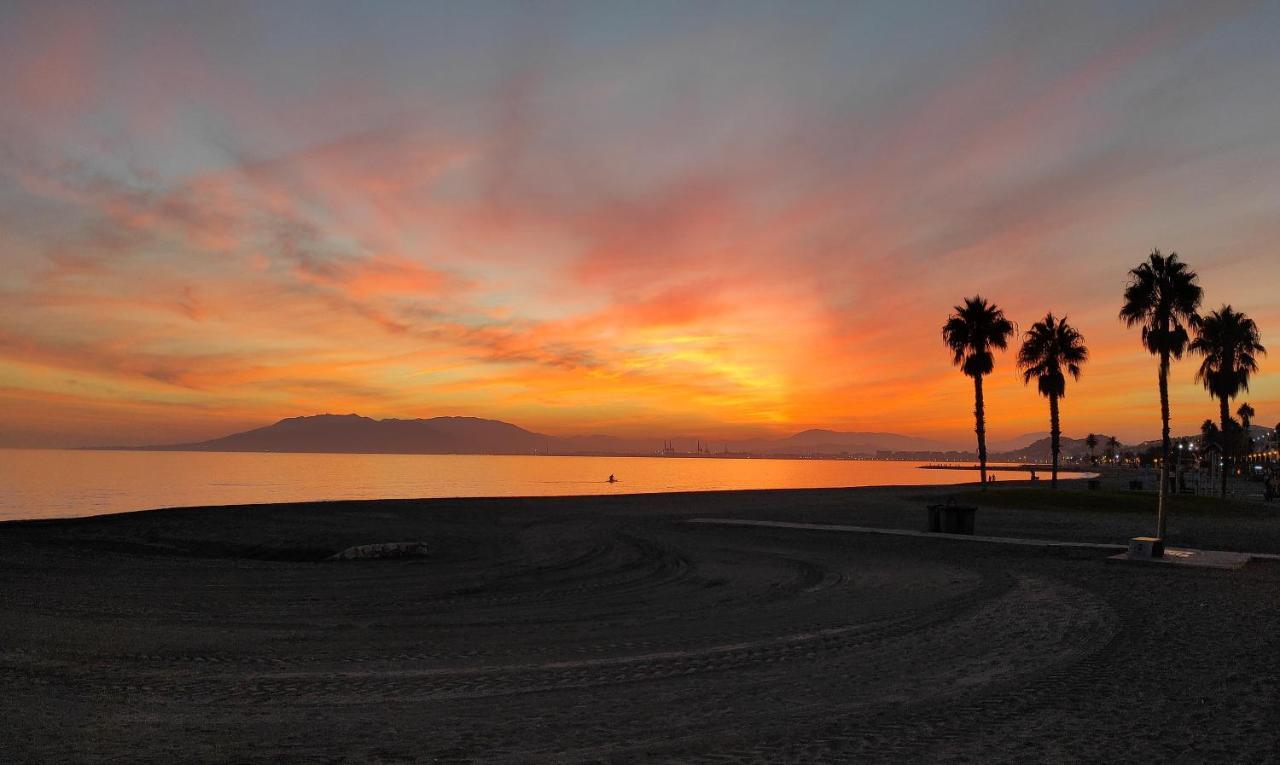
(610,628)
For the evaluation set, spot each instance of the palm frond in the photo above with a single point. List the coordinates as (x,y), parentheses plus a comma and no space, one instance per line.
(1163,297)
(973,331)
(1051,350)
(1230,344)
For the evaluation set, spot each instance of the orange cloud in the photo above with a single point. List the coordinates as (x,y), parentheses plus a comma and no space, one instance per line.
(584,252)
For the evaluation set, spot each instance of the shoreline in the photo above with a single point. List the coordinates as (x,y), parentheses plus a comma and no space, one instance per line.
(44,484)
(785,496)
(1010,508)
(855,457)
(1025,467)
(427,502)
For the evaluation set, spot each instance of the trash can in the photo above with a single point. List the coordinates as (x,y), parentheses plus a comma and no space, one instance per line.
(951,519)
(935,519)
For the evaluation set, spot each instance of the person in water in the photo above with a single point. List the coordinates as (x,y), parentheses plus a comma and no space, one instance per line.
(612,479)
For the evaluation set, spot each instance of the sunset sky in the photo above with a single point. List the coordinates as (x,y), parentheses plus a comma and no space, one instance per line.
(717,219)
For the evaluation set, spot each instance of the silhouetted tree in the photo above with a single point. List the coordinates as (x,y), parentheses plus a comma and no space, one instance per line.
(1051,350)
(1113,448)
(1149,456)
(1210,445)
(1246,413)
(1162,297)
(1233,441)
(973,332)
(1208,434)
(1230,344)
(1091,443)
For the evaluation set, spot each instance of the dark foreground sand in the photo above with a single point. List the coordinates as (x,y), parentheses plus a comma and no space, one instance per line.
(607,629)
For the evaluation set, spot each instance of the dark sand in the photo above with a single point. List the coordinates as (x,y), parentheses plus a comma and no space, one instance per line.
(607,629)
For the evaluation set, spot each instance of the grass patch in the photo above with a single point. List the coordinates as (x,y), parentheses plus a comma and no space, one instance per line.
(1073,500)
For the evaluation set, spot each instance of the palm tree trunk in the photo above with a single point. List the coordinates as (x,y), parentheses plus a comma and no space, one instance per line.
(1055,438)
(979,416)
(1224,411)
(1165,444)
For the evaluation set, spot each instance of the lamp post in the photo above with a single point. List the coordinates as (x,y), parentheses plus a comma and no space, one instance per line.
(1177,471)
(1195,464)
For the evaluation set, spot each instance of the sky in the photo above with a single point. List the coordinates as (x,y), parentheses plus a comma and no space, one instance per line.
(727,219)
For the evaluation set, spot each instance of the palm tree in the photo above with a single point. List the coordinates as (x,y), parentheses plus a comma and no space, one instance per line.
(1208,434)
(1209,445)
(1091,442)
(1051,350)
(1113,448)
(1246,413)
(973,332)
(1162,297)
(1230,344)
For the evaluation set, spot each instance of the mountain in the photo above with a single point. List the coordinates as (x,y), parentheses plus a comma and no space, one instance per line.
(1016,443)
(1040,450)
(352,433)
(1261,435)
(819,441)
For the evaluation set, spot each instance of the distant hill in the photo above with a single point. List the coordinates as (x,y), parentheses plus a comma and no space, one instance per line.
(1262,436)
(1016,443)
(1040,450)
(819,441)
(352,433)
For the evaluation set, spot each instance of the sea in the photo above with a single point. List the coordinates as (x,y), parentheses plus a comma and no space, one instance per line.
(52,483)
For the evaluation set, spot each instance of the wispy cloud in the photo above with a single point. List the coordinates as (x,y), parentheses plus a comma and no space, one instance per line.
(603,219)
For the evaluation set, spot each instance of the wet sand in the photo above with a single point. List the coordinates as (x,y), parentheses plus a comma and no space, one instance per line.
(584,629)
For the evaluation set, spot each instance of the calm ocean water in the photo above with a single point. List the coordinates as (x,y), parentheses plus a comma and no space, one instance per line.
(59,484)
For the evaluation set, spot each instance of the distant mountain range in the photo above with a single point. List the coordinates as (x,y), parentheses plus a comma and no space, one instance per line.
(1040,450)
(836,442)
(1258,433)
(1075,448)
(352,433)
(1016,443)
